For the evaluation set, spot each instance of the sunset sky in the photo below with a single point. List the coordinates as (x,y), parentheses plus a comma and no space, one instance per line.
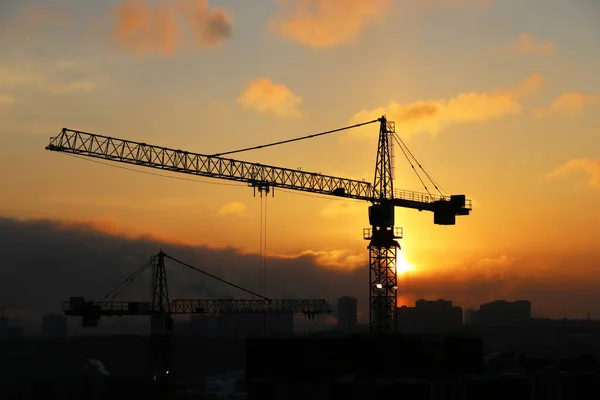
(498,99)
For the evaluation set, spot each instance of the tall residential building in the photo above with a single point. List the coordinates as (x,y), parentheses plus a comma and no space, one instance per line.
(54,326)
(429,316)
(203,325)
(347,313)
(502,312)
(4,326)
(279,324)
(472,317)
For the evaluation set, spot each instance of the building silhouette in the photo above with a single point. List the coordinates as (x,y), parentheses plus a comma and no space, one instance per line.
(241,325)
(4,326)
(54,326)
(472,317)
(347,313)
(502,312)
(429,316)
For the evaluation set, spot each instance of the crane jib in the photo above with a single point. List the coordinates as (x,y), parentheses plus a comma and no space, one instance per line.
(158,157)
(124,151)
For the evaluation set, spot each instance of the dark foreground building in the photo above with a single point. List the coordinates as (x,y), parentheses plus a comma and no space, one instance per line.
(67,369)
(398,367)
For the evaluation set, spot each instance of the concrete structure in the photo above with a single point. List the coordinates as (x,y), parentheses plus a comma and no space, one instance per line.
(15,333)
(429,316)
(203,325)
(347,312)
(280,325)
(514,386)
(472,317)
(4,327)
(242,325)
(54,326)
(502,312)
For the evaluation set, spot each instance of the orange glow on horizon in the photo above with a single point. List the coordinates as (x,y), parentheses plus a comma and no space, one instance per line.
(402,265)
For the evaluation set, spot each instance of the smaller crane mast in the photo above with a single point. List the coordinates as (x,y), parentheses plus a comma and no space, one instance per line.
(160,290)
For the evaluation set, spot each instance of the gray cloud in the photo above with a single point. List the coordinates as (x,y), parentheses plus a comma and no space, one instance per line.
(45,262)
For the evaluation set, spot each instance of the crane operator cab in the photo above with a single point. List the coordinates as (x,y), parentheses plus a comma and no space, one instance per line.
(446,210)
(381,215)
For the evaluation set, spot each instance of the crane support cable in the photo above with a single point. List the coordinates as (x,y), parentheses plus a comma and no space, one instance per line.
(260,251)
(264,248)
(217,278)
(433,181)
(411,164)
(117,290)
(295,139)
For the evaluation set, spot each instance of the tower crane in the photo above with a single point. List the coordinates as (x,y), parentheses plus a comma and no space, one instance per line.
(161,308)
(382,235)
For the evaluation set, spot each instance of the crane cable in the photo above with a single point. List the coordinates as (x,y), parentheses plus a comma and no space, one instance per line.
(120,287)
(433,181)
(263,255)
(412,166)
(217,278)
(264,249)
(436,185)
(260,249)
(295,139)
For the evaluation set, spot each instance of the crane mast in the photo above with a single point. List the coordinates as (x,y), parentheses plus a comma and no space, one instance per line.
(160,289)
(383,246)
(382,235)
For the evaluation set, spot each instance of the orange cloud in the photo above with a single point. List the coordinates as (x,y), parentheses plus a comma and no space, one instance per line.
(57,78)
(528,44)
(232,208)
(142,27)
(112,227)
(107,226)
(568,103)
(431,116)
(274,98)
(548,283)
(337,259)
(586,165)
(326,23)
(499,262)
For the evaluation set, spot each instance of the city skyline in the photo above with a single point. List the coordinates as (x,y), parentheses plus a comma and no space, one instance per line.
(503,110)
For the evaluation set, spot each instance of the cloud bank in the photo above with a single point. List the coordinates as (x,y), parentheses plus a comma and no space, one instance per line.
(584,165)
(326,23)
(528,44)
(164,26)
(46,262)
(264,96)
(432,116)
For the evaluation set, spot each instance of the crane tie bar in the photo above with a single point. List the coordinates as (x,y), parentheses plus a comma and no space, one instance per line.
(216,278)
(295,139)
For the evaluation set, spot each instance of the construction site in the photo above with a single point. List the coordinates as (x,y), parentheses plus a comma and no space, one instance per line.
(277,363)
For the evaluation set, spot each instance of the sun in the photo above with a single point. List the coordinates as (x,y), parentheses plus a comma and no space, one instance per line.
(402,265)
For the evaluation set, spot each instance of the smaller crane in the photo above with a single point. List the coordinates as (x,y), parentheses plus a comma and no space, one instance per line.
(161,308)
